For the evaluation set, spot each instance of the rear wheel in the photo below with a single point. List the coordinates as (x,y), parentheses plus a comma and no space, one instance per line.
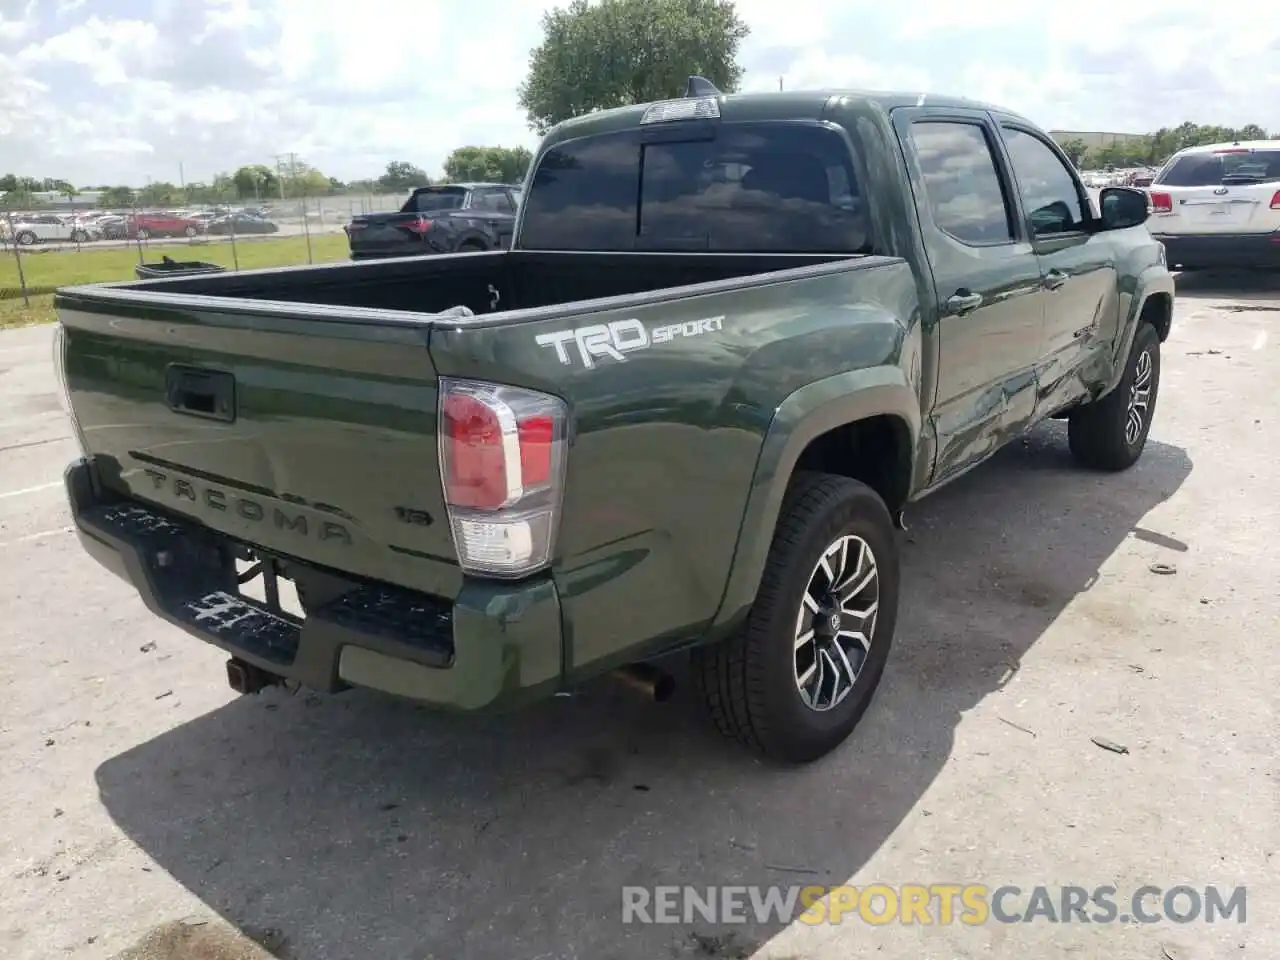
(144,233)
(796,679)
(190,231)
(471,246)
(79,236)
(26,238)
(1111,433)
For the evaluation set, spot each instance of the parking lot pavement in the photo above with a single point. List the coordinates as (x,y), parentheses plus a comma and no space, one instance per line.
(149,813)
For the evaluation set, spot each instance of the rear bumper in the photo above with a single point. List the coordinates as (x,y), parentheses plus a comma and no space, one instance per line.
(495,646)
(1221,250)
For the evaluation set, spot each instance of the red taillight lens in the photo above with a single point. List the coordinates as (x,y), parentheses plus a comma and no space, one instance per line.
(1275,200)
(502,455)
(420,225)
(1162,202)
(476,464)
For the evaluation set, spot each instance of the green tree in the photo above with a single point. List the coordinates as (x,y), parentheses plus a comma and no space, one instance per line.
(616,52)
(402,176)
(116,197)
(489,164)
(256,181)
(160,194)
(1075,149)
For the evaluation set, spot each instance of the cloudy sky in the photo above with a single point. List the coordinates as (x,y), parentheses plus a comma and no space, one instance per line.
(109,91)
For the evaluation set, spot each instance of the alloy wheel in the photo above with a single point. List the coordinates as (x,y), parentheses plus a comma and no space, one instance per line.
(836,622)
(1139,398)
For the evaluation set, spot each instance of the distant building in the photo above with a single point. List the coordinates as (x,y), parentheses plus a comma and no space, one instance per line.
(1094,139)
(59,201)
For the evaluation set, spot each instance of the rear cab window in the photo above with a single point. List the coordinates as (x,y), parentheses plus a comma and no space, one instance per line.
(1233,165)
(434,200)
(746,187)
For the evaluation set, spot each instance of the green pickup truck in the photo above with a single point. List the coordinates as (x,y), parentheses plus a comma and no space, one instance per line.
(733,338)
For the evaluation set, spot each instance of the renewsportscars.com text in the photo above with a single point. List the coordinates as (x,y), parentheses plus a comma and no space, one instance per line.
(937,903)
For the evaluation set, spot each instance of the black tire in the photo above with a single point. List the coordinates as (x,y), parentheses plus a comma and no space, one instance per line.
(190,231)
(26,238)
(144,233)
(79,236)
(749,682)
(1097,432)
(471,246)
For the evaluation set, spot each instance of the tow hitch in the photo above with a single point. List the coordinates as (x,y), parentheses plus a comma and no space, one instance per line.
(247,678)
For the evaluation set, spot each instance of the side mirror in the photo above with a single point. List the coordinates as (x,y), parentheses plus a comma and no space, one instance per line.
(1123,207)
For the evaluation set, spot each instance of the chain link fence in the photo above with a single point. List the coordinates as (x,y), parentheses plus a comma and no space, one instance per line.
(48,247)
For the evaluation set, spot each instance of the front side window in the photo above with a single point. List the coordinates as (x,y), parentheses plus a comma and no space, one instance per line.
(1049,192)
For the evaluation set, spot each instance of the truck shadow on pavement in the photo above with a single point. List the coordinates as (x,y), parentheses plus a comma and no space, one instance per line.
(357,827)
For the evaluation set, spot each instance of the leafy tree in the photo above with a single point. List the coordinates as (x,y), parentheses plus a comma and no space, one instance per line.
(616,52)
(1156,147)
(256,181)
(115,197)
(490,164)
(160,194)
(402,176)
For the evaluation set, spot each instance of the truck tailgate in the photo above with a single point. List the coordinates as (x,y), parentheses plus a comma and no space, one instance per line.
(309,437)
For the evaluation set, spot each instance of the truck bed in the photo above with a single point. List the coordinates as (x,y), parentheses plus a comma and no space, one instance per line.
(485,283)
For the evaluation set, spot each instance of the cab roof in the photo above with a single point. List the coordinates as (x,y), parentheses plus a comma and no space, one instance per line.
(771,105)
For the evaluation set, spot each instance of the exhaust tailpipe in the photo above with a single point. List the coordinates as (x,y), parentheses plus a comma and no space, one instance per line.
(653,682)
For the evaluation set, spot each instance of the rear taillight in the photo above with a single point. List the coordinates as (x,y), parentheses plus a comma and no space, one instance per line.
(502,453)
(420,225)
(1161,203)
(1275,200)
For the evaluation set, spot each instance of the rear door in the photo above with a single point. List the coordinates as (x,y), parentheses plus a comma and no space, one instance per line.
(1229,191)
(991,302)
(1078,265)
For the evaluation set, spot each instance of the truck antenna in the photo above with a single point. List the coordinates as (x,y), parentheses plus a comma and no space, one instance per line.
(700,87)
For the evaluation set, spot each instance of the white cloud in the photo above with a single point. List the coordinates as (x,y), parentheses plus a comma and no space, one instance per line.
(118,90)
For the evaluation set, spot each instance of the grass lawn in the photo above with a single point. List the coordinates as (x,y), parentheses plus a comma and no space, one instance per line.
(44,271)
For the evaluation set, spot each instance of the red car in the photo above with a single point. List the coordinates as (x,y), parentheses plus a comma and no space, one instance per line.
(144,226)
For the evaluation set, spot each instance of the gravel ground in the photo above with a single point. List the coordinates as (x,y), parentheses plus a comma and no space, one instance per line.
(149,813)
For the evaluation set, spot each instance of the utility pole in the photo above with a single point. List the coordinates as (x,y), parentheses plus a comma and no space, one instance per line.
(293,168)
(779,83)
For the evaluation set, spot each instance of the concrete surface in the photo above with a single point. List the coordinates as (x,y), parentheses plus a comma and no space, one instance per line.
(149,813)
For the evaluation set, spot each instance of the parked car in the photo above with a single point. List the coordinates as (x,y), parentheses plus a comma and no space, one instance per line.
(1218,205)
(144,226)
(451,218)
(732,341)
(49,227)
(241,223)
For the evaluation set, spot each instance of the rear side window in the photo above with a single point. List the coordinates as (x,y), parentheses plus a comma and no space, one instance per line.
(1215,169)
(753,187)
(964,190)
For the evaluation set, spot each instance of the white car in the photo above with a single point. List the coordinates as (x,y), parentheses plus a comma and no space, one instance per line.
(1219,206)
(45,227)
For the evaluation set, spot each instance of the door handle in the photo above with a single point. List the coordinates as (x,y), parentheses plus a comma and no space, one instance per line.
(1054,279)
(962,302)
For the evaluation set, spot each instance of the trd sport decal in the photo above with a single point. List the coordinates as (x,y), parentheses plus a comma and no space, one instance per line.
(614,340)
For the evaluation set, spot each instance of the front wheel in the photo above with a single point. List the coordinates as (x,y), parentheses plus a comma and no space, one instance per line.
(796,679)
(190,231)
(144,233)
(1111,433)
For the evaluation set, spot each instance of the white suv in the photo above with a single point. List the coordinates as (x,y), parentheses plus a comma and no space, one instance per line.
(1219,205)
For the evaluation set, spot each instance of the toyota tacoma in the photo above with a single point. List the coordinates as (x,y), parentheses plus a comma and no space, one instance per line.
(733,338)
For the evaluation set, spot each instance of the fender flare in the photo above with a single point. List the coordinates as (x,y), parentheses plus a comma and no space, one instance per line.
(804,415)
(1150,282)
